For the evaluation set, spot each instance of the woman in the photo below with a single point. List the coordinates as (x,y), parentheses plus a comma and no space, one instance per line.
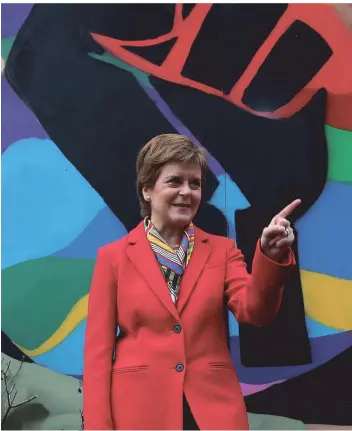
(165,284)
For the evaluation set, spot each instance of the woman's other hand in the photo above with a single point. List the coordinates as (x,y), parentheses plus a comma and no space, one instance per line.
(278,236)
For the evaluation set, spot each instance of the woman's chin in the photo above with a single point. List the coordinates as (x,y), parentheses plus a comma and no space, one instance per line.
(181,219)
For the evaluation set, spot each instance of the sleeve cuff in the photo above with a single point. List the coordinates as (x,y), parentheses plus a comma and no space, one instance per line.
(288,259)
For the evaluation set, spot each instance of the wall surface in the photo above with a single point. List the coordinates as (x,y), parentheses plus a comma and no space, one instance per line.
(266,89)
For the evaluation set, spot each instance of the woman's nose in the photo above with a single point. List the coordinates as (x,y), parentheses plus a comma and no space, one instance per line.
(185,190)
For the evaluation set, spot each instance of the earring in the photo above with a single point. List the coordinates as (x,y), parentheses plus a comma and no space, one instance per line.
(147,198)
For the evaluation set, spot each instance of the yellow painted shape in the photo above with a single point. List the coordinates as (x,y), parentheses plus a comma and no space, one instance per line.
(77,314)
(327,300)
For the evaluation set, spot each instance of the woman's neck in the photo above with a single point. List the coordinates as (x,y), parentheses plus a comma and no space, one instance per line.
(172,235)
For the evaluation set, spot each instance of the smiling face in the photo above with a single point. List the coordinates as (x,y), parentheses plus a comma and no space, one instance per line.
(176,195)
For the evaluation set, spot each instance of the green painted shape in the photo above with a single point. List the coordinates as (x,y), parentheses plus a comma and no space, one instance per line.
(270,422)
(6,45)
(37,295)
(340,154)
(141,76)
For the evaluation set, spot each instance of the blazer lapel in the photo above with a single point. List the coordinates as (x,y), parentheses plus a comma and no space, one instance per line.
(143,259)
(200,255)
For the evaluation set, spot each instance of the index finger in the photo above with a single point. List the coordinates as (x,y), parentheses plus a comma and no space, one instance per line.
(290,208)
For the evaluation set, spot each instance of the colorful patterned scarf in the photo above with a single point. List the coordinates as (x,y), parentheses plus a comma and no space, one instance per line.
(173,262)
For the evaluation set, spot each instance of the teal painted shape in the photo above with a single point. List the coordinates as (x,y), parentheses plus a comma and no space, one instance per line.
(46,202)
(141,76)
(6,45)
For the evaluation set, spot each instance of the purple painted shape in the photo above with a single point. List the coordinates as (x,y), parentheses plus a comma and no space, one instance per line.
(253,389)
(164,108)
(78,377)
(17,121)
(323,350)
(12,17)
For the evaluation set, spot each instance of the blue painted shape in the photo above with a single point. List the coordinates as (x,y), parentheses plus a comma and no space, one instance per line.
(323,350)
(325,234)
(105,228)
(228,198)
(66,357)
(46,202)
(233,326)
(316,329)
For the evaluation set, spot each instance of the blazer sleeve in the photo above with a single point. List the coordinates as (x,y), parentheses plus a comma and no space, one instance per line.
(99,345)
(255,298)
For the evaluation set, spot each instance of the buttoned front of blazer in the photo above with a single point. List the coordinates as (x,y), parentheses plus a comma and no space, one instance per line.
(137,380)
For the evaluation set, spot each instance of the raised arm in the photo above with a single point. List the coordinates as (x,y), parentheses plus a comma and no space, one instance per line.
(256,298)
(99,345)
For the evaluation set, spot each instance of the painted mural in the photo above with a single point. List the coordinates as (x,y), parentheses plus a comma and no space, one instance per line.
(86,85)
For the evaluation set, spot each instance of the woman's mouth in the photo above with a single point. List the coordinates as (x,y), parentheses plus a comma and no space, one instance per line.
(182,205)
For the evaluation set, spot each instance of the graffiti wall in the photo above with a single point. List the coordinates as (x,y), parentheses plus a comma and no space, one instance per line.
(265,89)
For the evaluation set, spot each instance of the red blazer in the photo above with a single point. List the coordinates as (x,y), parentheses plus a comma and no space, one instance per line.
(165,350)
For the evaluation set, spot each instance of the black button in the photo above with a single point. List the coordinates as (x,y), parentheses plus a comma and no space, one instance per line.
(179,367)
(177,329)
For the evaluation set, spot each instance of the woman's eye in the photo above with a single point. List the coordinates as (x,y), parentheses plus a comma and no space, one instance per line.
(174,180)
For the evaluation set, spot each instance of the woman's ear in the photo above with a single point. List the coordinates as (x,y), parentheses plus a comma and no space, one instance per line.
(146,193)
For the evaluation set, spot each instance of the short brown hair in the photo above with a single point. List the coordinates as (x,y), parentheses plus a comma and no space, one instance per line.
(160,150)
